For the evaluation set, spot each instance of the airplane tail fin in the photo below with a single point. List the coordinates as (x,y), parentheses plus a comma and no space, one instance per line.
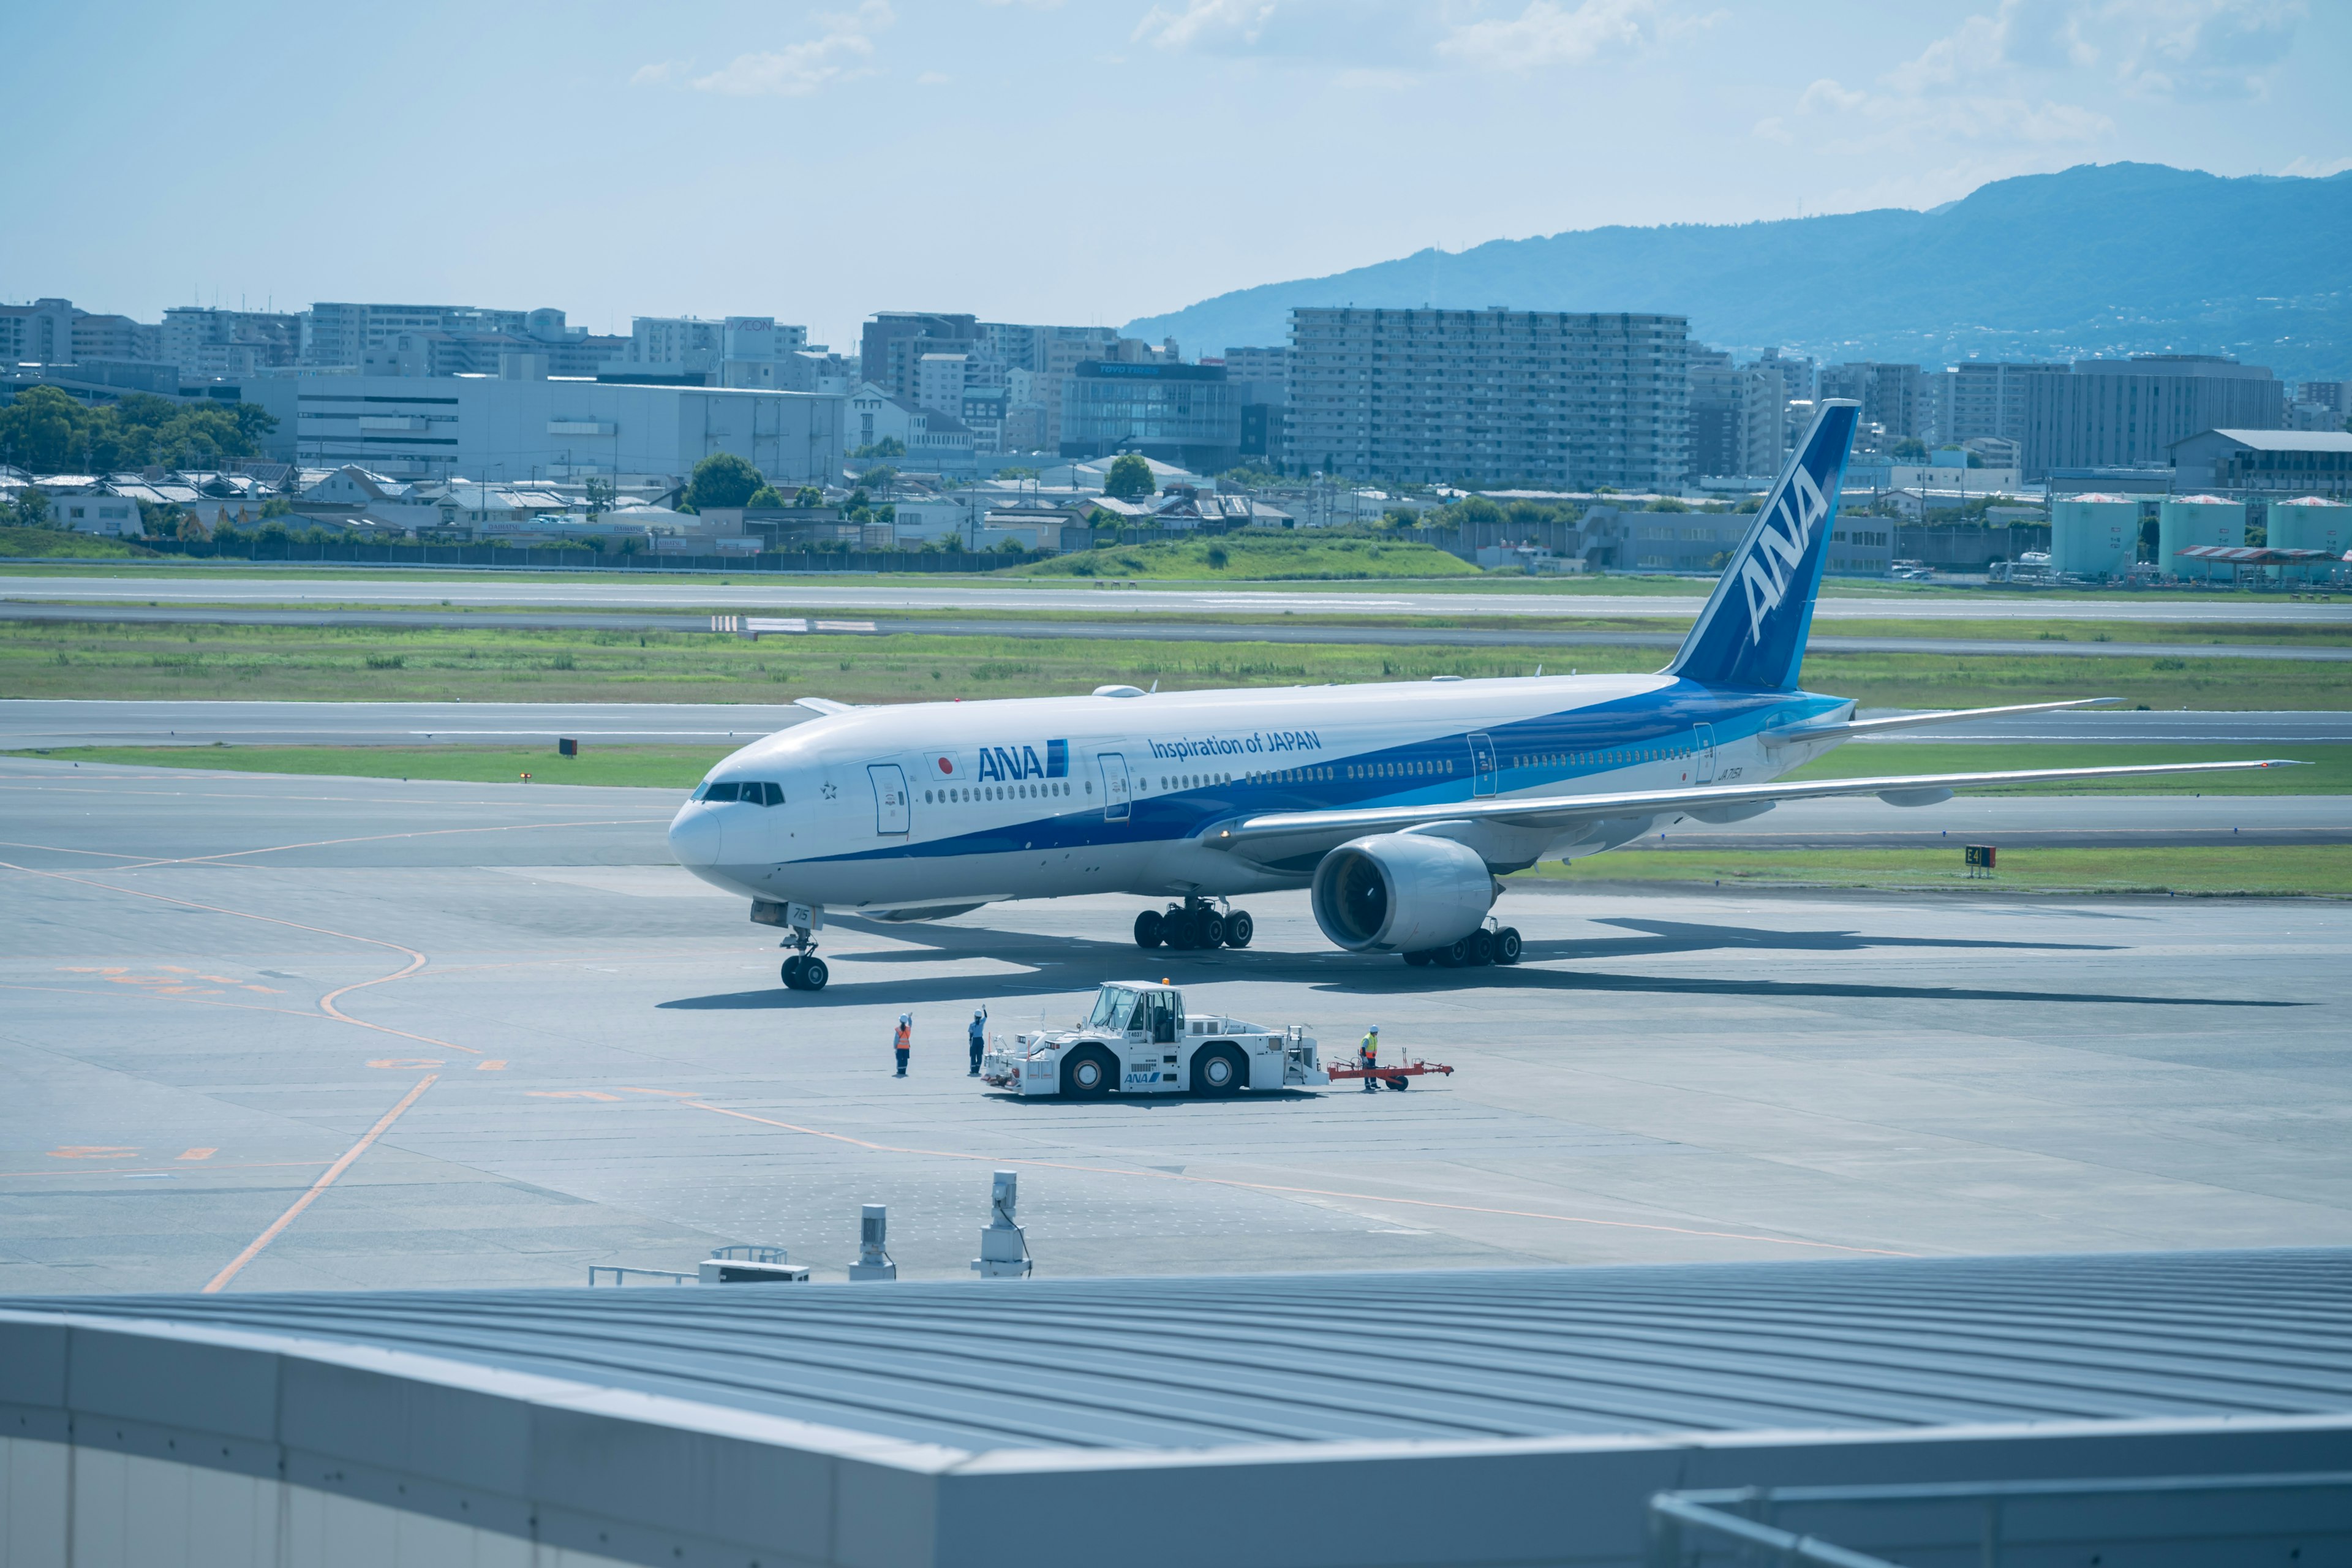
(1752,632)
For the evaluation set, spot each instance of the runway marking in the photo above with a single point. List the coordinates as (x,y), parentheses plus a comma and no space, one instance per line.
(416,960)
(94,1151)
(570,1094)
(326,1180)
(493,1064)
(232,1165)
(199,1154)
(381,837)
(1301,1191)
(406,1064)
(54,849)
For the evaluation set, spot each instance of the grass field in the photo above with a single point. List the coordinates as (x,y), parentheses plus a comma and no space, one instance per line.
(653,767)
(1261,558)
(385,664)
(17,540)
(2262,870)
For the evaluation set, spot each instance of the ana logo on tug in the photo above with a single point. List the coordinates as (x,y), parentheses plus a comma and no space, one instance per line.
(1773,560)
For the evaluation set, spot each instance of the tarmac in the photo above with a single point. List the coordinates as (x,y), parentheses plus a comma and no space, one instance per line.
(294,1033)
(241,584)
(1288,632)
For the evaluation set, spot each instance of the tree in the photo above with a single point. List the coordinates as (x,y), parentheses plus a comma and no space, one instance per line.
(722,478)
(32,508)
(766,495)
(40,429)
(1910,449)
(1129,479)
(808,496)
(880,478)
(888,447)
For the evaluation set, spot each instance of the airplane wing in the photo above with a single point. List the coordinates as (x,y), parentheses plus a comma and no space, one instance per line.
(824,705)
(1567,811)
(1853,728)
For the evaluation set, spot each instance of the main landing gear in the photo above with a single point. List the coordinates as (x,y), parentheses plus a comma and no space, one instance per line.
(1499,945)
(804,971)
(1194,923)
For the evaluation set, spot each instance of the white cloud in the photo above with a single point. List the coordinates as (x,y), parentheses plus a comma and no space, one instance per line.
(1547,33)
(2159,48)
(933,79)
(837,54)
(1204,21)
(2308,168)
(659,73)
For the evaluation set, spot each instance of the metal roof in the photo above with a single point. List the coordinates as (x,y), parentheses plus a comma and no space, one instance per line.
(1193,1363)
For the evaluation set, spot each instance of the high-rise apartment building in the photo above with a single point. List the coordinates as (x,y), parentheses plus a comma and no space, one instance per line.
(1491,397)
(1736,415)
(38,333)
(1980,399)
(1893,397)
(895,342)
(203,340)
(2127,413)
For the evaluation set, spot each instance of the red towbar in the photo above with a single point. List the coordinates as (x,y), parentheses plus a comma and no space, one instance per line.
(1395,1078)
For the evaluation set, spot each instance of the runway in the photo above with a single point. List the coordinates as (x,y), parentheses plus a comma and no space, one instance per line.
(888,592)
(31,722)
(1289,632)
(549,1048)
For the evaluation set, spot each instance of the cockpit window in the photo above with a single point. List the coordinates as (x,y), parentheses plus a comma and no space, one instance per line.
(750,791)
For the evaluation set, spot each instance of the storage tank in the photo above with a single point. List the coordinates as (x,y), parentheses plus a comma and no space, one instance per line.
(2310,522)
(2094,535)
(2185,521)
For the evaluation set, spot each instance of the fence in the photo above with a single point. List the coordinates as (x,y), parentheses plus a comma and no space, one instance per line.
(589,560)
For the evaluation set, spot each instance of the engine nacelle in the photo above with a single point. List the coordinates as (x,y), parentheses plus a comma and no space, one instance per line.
(1401,892)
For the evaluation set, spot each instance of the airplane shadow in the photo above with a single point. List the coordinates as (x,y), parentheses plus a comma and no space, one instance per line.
(1090,960)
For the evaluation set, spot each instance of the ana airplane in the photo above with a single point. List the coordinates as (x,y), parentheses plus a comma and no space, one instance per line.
(1398,805)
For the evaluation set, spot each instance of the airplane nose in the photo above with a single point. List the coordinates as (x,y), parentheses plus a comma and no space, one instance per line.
(694,837)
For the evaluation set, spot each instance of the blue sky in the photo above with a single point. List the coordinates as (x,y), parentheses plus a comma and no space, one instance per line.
(1088,160)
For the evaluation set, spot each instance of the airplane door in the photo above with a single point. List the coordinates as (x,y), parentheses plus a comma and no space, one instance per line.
(1705,735)
(890,813)
(1482,764)
(1116,795)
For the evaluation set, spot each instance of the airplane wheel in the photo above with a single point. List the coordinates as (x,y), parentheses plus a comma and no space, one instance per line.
(1149,929)
(792,971)
(1508,945)
(1419,957)
(1239,929)
(1086,1073)
(1453,954)
(814,975)
(1482,947)
(1211,926)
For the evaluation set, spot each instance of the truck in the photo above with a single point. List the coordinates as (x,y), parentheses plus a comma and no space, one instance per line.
(1136,1038)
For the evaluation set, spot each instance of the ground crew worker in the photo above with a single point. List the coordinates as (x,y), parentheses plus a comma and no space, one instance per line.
(977,1036)
(1368,1057)
(904,1041)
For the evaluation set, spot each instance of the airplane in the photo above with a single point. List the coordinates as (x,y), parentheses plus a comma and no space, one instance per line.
(1396,805)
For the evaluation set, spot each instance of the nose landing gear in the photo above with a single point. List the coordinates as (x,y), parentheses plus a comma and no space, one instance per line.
(804,971)
(1195,923)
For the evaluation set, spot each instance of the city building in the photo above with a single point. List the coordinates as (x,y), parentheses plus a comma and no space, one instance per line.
(688,350)
(1181,414)
(1491,397)
(933,442)
(2315,462)
(939,381)
(207,343)
(38,333)
(2129,413)
(504,431)
(1983,399)
(1735,412)
(895,342)
(1895,397)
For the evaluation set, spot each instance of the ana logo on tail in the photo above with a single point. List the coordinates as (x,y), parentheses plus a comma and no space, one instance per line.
(1764,576)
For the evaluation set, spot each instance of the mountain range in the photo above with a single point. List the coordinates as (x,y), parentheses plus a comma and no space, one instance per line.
(2099,260)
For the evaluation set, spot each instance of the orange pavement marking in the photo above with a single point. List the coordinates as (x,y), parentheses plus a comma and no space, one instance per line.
(493,1064)
(380,837)
(416,960)
(1304,1192)
(94,1151)
(199,1154)
(407,1064)
(321,1185)
(569,1094)
(226,1165)
(673,1093)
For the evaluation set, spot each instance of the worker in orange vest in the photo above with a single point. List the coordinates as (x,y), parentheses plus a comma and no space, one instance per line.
(1368,1057)
(904,1040)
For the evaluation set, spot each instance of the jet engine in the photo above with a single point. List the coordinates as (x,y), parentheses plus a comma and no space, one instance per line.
(1401,892)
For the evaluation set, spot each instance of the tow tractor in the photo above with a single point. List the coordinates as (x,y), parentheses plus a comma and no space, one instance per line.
(1136,1039)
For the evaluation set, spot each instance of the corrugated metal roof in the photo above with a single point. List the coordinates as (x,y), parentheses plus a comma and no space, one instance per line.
(1205,1361)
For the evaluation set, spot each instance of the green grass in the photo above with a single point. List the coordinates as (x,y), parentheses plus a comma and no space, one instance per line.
(17,540)
(655,767)
(99,659)
(2330,773)
(2261,870)
(1266,558)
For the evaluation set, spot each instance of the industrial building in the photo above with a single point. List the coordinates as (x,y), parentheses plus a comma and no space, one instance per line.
(2094,535)
(2317,462)
(2187,523)
(2130,411)
(501,430)
(1546,1415)
(2311,523)
(1488,398)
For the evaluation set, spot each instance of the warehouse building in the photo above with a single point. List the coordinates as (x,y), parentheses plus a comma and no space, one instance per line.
(1477,1417)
